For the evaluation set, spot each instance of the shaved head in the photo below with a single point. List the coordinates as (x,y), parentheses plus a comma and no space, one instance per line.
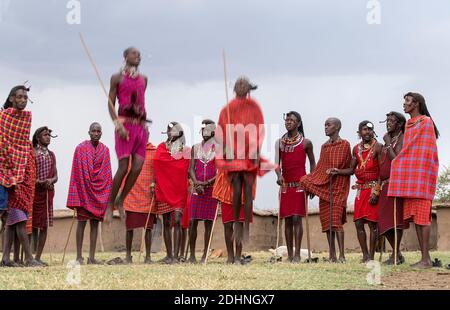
(336,121)
(95,124)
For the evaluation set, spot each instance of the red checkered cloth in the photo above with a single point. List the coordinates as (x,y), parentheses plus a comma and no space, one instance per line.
(414,171)
(45,163)
(21,196)
(339,216)
(83,215)
(43,198)
(245,127)
(162,208)
(91,179)
(417,210)
(332,155)
(15,145)
(140,196)
(203,206)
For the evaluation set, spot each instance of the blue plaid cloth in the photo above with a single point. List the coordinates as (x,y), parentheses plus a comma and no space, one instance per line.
(3,198)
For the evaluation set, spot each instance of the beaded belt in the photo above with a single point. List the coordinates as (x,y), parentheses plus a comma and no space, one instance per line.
(292,184)
(368,185)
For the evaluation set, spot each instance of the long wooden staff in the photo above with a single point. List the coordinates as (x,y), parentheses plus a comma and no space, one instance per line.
(331,208)
(91,59)
(187,245)
(100,233)
(227,145)
(68,237)
(144,232)
(48,225)
(226,96)
(395,231)
(278,220)
(211,235)
(110,102)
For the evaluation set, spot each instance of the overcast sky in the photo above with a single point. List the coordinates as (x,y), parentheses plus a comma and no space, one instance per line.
(321,58)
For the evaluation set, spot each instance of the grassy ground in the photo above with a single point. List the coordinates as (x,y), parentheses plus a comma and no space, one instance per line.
(216,275)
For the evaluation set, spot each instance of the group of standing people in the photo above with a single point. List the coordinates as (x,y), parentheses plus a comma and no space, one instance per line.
(395,181)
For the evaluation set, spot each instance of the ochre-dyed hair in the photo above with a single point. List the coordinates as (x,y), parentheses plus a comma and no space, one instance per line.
(8,104)
(423,110)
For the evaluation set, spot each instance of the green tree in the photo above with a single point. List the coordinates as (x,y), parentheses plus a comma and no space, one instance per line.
(443,185)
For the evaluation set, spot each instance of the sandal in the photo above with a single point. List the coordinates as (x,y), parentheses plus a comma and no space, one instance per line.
(9,264)
(33,263)
(94,262)
(42,262)
(115,261)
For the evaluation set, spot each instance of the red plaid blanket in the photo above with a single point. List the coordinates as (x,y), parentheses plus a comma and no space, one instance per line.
(414,171)
(91,178)
(139,198)
(21,196)
(15,146)
(332,155)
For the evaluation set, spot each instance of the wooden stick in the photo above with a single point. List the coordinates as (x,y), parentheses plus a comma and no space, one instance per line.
(307,227)
(68,237)
(331,210)
(144,232)
(278,221)
(211,235)
(100,233)
(91,59)
(48,226)
(187,246)
(230,141)
(395,231)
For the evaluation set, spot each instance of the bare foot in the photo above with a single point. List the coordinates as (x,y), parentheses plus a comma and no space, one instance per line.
(128,260)
(80,260)
(330,260)
(342,260)
(42,262)
(33,263)
(93,261)
(230,260)
(202,261)
(166,260)
(192,260)
(365,259)
(148,261)
(423,264)
(9,263)
(296,259)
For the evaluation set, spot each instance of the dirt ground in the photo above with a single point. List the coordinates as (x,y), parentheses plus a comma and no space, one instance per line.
(413,280)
